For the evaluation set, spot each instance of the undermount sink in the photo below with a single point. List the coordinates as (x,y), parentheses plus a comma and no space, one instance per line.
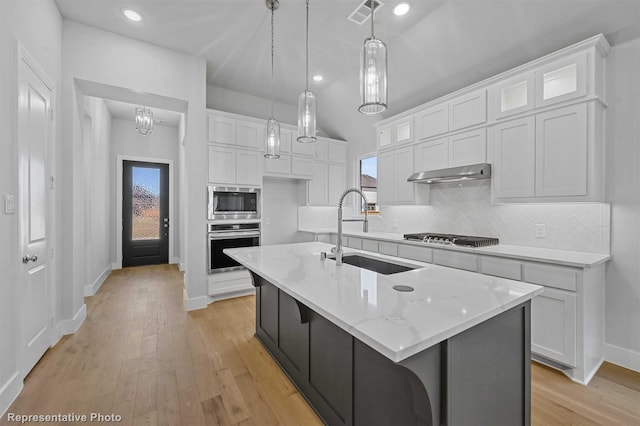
(375,265)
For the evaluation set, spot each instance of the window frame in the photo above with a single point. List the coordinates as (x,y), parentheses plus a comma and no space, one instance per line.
(357,207)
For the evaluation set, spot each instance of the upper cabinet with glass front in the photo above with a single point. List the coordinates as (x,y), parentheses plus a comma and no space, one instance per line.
(562,80)
(512,96)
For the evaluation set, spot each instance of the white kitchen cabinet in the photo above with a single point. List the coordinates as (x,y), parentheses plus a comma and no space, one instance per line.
(432,121)
(553,326)
(370,245)
(278,166)
(337,152)
(222,165)
(222,130)
(321,152)
(248,167)
(337,182)
(286,138)
(513,159)
(561,152)
(561,80)
(249,135)
(403,130)
(468,110)
(302,148)
(512,96)
(301,167)
(384,136)
(456,260)
(556,276)
(432,155)
(468,148)
(504,268)
(318,186)
(387,248)
(394,167)
(421,254)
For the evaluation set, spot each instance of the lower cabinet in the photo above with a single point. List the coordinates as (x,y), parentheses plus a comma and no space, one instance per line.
(553,326)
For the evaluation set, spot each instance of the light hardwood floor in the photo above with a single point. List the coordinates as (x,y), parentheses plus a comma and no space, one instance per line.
(139,355)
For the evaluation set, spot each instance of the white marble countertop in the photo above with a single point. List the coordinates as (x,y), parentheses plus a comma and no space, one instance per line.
(445,302)
(561,257)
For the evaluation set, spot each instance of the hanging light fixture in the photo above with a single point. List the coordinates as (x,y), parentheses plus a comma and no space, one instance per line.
(144,120)
(307,104)
(373,73)
(272,141)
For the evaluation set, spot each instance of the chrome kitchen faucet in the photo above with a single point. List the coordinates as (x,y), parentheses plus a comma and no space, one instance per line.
(337,250)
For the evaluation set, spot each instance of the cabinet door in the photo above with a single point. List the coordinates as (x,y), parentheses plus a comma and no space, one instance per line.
(278,166)
(468,148)
(561,80)
(456,260)
(403,168)
(248,167)
(222,165)
(384,136)
(561,152)
(337,182)
(512,96)
(318,186)
(553,326)
(513,158)
(302,148)
(386,178)
(432,155)
(321,152)
(403,130)
(432,121)
(468,110)
(337,152)
(250,135)
(301,167)
(286,136)
(222,130)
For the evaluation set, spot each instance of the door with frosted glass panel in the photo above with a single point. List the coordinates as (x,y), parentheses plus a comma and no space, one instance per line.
(145,213)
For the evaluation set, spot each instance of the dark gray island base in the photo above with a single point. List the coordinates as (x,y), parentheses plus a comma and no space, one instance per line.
(480,376)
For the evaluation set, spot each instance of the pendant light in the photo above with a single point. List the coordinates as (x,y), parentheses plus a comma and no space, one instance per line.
(272,140)
(144,120)
(307,104)
(373,73)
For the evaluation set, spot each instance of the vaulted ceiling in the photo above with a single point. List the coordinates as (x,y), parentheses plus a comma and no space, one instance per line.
(439,46)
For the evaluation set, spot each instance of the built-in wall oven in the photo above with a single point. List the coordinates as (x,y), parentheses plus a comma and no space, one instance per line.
(229,235)
(233,203)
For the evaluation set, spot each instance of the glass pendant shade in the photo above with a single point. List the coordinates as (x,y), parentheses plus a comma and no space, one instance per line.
(272,140)
(306,117)
(373,77)
(144,120)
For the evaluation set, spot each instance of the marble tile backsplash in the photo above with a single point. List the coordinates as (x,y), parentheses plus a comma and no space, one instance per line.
(467,209)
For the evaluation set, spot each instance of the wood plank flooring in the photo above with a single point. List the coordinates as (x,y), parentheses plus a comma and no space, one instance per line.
(139,355)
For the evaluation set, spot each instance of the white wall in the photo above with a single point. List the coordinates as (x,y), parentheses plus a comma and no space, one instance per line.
(279,211)
(623,176)
(99,180)
(37,26)
(162,144)
(103,57)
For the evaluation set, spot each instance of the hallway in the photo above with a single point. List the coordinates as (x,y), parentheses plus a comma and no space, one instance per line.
(139,355)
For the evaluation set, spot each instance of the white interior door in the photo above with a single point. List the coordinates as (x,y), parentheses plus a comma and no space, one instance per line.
(34,103)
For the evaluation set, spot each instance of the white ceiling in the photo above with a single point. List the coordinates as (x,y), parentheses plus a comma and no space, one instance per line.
(438,47)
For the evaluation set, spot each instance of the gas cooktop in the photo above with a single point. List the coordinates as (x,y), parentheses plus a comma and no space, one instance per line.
(452,239)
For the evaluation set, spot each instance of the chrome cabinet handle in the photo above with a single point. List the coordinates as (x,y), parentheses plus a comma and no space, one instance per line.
(27,259)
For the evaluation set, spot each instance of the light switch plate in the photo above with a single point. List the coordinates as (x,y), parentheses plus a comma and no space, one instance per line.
(9,204)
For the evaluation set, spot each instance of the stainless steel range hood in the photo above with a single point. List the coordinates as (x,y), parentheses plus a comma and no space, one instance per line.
(453,174)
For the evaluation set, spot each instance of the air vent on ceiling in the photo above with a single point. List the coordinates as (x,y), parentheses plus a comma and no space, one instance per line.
(361,13)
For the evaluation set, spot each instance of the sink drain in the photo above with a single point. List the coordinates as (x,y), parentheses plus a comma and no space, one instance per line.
(404,288)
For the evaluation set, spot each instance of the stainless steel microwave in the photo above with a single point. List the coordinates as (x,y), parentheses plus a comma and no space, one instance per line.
(233,203)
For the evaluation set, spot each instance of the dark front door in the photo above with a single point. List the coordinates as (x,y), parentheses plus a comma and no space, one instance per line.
(145,213)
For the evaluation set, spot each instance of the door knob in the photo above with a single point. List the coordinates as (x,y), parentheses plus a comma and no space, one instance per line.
(26,259)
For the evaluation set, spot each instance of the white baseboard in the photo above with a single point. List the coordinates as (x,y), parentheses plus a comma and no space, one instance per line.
(92,289)
(116,265)
(181,266)
(70,326)
(194,303)
(230,294)
(10,391)
(623,357)
(173,260)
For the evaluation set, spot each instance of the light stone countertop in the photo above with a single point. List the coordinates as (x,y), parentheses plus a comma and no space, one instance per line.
(445,302)
(561,257)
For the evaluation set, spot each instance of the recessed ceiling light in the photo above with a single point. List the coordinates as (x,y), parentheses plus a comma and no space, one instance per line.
(318,77)
(132,15)
(401,9)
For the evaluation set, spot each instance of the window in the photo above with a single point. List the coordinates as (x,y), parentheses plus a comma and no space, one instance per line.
(368,181)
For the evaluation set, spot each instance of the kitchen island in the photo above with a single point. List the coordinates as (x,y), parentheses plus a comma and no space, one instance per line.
(455,350)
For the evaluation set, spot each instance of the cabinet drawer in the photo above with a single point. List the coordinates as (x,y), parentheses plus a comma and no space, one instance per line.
(504,268)
(456,260)
(354,242)
(390,249)
(421,254)
(551,276)
(370,245)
